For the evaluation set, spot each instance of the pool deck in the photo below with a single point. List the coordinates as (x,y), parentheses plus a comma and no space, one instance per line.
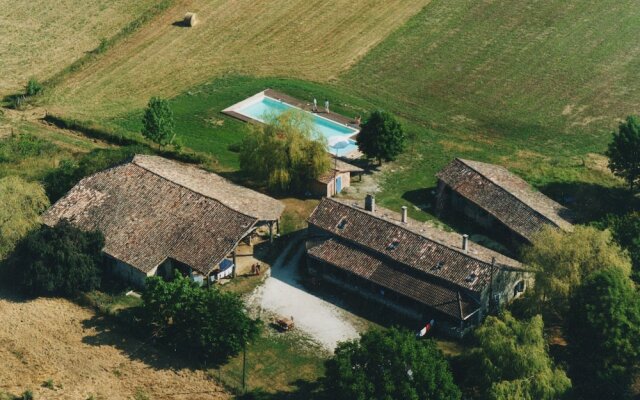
(307,106)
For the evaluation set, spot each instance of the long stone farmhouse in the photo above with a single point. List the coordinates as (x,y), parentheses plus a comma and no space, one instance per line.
(499,201)
(158,215)
(416,270)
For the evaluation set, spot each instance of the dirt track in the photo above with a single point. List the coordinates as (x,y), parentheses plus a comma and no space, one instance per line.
(59,340)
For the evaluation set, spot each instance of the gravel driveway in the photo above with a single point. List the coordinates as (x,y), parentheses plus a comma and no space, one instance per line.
(283,294)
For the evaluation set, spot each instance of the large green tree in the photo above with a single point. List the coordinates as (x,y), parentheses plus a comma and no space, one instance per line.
(21,205)
(561,261)
(285,152)
(511,361)
(207,324)
(624,151)
(60,260)
(381,137)
(157,122)
(626,231)
(389,364)
(603,329)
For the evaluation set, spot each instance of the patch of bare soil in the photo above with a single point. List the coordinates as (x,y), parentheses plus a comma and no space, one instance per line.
(56,339)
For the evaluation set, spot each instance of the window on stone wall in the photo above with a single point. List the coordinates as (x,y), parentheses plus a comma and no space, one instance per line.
(518,288)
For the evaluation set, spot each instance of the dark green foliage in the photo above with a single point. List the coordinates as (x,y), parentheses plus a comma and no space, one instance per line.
(381,137)
(626,231)
(62,260)
(206,324)
(604,335)
(157,122)
(624,151)
(33,87)
(18,147)
(69,172)
(511,361)
(377,367)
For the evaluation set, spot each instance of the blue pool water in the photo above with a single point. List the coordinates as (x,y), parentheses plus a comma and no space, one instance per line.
(337,135)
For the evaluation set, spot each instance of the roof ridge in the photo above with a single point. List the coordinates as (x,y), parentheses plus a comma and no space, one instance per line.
(463,161)
(133,161)
(487,264)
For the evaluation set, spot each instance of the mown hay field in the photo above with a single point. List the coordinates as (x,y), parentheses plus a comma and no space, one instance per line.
(57,340)
(314,40)
(40,38)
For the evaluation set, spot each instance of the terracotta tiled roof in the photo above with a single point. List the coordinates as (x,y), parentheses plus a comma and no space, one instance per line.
(337,166)
(375,269)
(504,195)
(241,199)
(436,254)
(147,218)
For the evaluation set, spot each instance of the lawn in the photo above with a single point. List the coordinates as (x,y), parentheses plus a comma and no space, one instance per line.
(275,362)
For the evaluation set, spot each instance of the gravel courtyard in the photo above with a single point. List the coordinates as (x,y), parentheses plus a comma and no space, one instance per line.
(283,294)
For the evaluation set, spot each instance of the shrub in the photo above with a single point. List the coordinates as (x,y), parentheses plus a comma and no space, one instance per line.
(33,87)
(389,364)
(18,147)
(60,260)
(624,151)
(563,259)
(157,122)
(381,137)
(511,361)
(604,335)
(21,205)
(207,324)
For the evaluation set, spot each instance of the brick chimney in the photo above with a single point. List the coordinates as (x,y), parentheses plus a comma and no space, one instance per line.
(465,242)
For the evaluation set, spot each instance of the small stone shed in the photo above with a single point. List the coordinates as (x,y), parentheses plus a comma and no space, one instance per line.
(499,201)
(337,179)
(159,215)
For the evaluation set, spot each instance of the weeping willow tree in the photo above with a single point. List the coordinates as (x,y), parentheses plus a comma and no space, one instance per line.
(285,152)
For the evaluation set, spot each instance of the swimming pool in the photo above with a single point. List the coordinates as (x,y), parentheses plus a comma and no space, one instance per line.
(339,136)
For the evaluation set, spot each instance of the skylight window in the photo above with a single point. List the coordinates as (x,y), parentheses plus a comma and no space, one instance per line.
(393,245)
(342,223)
(472,277)
(438,266)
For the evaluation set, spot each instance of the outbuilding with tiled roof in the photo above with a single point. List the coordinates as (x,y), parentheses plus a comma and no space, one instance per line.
(498,200)
(159,215)
(414,268)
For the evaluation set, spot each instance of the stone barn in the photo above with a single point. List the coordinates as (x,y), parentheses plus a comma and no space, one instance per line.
(503,204)
(411,268)
(158,216)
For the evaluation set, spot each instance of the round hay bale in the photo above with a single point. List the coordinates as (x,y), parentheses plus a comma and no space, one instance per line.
(190,19)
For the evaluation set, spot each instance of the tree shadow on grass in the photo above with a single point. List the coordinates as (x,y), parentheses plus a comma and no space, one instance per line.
(127,336)
(591,202)
(424,199)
